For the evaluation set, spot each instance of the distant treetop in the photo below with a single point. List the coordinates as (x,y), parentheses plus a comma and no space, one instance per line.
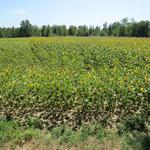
(123,28)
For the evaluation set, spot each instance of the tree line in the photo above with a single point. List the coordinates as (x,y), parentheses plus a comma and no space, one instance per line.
(125,27)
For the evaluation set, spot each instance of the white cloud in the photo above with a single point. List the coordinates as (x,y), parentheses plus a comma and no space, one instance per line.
(19,11)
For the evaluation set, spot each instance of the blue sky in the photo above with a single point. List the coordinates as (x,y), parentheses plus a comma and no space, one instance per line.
(76,12)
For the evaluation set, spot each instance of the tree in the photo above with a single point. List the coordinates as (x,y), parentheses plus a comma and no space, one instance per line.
(55,30)
(97,31)
(91,30)
(115,29)
(1,33)
(17,32)
(72,31)
(43,30)
(110,30)
(125,27)
(143,29)
(86,31)
(124,21)
(80,31)
(83,31)
(13,32)
(62,30)
(36,31)
(105,29)
(25,29)
(48,31)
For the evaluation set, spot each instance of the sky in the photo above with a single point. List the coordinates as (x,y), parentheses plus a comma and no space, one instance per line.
(71,12)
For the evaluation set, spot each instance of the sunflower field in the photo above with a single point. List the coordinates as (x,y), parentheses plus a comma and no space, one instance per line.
(74,80)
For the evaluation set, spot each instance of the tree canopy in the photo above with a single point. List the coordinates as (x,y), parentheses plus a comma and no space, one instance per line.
(125,27)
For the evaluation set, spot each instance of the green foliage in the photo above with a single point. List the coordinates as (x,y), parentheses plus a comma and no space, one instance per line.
(136,140)
(89,136)
(7,131)
(134,123)
(66,135)
(57,132)
(10,131)
(122,28)
(52,81)
(25,28)
(33,122)
(72,31)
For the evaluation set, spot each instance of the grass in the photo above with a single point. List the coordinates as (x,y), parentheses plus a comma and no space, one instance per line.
(92,137)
